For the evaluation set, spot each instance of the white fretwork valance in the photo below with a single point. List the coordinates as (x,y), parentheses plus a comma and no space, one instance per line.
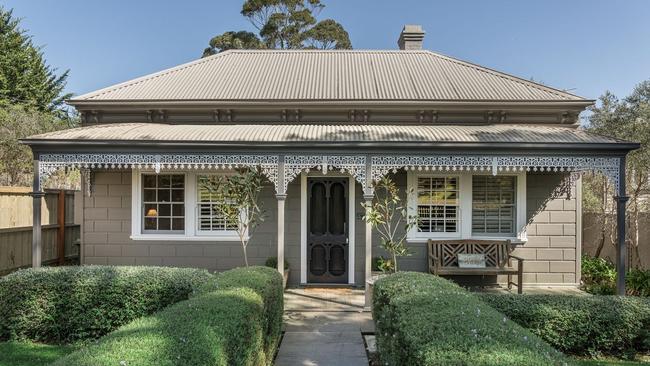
(356,165)
(608,166)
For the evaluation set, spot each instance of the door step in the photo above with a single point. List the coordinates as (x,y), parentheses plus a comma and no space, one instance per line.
(327,286)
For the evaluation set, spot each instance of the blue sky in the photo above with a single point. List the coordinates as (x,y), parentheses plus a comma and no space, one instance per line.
(587,46)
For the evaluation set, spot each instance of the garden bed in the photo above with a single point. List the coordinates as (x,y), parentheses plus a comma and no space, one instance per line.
(235,319)
(426,320)
(67,304)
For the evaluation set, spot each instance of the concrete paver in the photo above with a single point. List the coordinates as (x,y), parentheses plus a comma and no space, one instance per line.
(323,328)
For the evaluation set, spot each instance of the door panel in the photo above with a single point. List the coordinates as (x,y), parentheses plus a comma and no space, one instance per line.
(327,231)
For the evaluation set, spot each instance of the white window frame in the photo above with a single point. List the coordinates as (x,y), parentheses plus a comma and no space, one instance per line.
(191,232)
(465,207)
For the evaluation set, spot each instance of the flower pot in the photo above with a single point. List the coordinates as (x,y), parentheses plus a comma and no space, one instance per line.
(371,284)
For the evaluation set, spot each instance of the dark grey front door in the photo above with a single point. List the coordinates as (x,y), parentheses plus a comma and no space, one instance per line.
(327,230)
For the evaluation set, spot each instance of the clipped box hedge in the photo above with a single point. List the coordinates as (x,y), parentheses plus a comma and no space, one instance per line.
(268,283)
(229,322)
(581,325)
(422,319)
(66,304)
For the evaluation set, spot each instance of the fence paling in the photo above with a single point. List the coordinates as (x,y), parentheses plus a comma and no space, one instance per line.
(59,234)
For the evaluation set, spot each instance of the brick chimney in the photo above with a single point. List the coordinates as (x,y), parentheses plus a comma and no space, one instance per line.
(411,37)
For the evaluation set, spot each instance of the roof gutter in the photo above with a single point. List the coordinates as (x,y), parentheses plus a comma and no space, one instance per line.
(332,103)
(41,145)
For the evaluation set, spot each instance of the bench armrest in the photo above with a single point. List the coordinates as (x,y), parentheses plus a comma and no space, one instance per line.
(515,257)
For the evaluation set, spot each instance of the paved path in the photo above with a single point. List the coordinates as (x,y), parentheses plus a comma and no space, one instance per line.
(323,328)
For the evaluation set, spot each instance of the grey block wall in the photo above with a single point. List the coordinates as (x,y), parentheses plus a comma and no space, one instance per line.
(550,252)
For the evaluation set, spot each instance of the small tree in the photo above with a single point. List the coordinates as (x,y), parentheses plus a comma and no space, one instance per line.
(389,216)
(237,199)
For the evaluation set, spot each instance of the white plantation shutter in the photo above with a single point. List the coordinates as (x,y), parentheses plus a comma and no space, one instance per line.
(493,205)
(209,217)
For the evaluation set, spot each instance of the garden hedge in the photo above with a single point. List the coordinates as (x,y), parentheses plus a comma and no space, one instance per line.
(265,281)
(66,304)
(581,325)
(227,323)
(422,319)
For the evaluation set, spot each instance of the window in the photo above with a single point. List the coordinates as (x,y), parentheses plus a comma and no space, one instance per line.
(437,204)
(493,205)
(467,205)
(210,219)
(163,202)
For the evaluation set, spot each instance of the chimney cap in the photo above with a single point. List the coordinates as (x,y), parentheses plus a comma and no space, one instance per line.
(411,37)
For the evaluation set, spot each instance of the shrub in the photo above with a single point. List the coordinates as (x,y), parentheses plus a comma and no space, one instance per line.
(218,328)
(582,325)
(422,319)
(65,304)
(226,323)
(272,262)
(266,282)
(599,278)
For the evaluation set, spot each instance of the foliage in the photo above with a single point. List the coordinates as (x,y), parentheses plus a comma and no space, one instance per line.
(64,304)
(31,354)
(422,319)
(627,119)
(266,282)
(17,122)
(388,214)
(581,325)
(25,78)
(383,264)
(228,324)
(283,24)
(272,262)
(237,200)
(599,278)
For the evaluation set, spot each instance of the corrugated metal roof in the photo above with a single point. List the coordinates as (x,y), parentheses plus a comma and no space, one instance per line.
(325,133)
(312,75)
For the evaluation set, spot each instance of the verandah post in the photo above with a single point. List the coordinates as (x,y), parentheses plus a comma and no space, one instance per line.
(281,197)
(60,220)
(37,195)
(621,251)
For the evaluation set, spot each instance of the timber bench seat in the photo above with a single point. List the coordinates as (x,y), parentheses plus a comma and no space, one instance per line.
(443,259)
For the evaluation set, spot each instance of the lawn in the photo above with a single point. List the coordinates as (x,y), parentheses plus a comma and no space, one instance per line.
(31,354)
(612,362)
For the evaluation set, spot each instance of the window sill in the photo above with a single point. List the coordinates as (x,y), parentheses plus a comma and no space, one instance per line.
(162,237)
(422,240)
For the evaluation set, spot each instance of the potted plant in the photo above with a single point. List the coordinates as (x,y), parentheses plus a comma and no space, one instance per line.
(273,263)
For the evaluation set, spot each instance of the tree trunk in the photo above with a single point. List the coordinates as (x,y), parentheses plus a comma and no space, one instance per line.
(245,255)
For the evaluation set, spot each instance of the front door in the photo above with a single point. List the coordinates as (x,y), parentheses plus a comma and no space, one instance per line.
(327,230)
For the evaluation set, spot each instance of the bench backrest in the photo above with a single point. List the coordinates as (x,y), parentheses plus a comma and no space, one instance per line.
(496,251)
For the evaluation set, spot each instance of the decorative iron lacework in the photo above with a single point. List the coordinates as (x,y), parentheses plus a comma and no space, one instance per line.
(608,166)
(353,164)
(49,163)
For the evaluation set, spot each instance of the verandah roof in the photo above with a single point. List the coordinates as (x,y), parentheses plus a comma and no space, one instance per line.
(525,136)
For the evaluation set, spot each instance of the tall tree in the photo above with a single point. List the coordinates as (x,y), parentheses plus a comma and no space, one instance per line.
(627,119)
(25,77)
(283,24)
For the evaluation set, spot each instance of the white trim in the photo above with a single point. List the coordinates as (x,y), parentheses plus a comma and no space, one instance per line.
(303,227)
(303,223)
(177,237)
(351,228)
(465,207)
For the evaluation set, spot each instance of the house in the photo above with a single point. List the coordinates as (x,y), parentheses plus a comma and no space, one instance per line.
(488,155)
